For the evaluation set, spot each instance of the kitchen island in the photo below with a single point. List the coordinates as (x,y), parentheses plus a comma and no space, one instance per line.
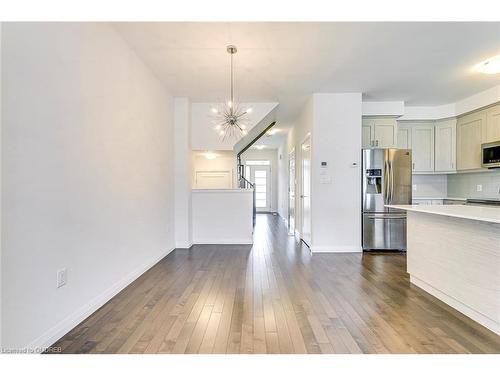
(453,253)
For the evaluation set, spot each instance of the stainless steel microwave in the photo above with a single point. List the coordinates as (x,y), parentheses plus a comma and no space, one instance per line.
(490,155)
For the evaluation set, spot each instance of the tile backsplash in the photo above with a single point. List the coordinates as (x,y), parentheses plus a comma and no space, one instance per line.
(429,186)
(466,185)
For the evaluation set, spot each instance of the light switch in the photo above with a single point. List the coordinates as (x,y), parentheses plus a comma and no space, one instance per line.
(479,187)
(414,187)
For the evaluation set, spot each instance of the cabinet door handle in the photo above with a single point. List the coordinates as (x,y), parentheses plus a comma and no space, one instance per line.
(377,142)
(413,166)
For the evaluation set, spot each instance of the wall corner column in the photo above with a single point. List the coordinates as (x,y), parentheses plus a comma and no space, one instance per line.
(182,172)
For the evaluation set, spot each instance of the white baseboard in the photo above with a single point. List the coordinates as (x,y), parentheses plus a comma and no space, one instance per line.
(70,322)
(183,245)
(457,305)
(336,249)
(217,241)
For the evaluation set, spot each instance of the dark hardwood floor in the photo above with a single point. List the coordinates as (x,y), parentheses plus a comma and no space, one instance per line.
(275,297)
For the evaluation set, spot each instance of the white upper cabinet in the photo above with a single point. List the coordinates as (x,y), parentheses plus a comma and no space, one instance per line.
(404,137)
(419,137)
(470,129)
(367,140)
(422,145)
(379,132)
(445,145)
(492,124)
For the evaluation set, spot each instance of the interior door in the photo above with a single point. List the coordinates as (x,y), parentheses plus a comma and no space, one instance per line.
(260,175)
(306,191)
(291,193)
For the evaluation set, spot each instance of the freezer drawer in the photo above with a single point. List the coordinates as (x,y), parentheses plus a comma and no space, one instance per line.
(384,232)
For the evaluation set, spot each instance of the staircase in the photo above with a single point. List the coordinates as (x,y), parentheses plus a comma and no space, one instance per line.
(245,143)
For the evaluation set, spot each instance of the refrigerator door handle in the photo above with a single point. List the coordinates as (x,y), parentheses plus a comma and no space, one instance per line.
(391,168)
(386,182)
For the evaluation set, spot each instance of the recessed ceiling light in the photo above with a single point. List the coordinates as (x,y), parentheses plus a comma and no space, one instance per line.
(489,66)
(210,155)
(259,147)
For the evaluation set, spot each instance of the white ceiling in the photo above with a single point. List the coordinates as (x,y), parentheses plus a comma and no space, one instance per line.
(272,141)
(420,63)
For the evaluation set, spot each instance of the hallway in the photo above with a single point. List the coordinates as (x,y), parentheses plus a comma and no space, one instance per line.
(275,297)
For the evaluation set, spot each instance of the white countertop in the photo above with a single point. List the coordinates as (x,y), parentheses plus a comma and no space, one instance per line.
(439,198)
(222,190)
(480,213)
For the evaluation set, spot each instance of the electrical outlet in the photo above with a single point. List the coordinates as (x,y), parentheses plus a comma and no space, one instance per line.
(479,187)
(414,187)
(62,277)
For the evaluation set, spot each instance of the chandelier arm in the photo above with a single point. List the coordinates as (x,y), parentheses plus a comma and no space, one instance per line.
(241,115)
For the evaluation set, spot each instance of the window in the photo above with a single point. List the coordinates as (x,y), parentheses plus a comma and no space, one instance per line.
(261,188)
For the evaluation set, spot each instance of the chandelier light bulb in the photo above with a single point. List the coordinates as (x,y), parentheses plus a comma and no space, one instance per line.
(221,133)
(214,110)
(249,110)
(243,127)
(244,132)
(218,127)
(230,104)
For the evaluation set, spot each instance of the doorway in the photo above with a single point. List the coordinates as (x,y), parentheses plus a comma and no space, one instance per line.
(260,176)
(306,191)
(291,192)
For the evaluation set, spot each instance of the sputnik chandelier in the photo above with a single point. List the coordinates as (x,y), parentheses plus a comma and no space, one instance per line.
(230,118)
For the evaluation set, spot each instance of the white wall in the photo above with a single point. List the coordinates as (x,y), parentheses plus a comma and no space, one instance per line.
(334,122)
(1,241)
(203,135)
(222,216)
(336,206)
(283,172)
(224,161)
(272,156)
(303,126)
(87,172)
(183,177)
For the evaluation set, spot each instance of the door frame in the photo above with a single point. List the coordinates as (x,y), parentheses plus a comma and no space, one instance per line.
(292,180)
(306,138)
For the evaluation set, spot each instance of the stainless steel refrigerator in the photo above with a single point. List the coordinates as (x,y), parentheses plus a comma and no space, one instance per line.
(386,175)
